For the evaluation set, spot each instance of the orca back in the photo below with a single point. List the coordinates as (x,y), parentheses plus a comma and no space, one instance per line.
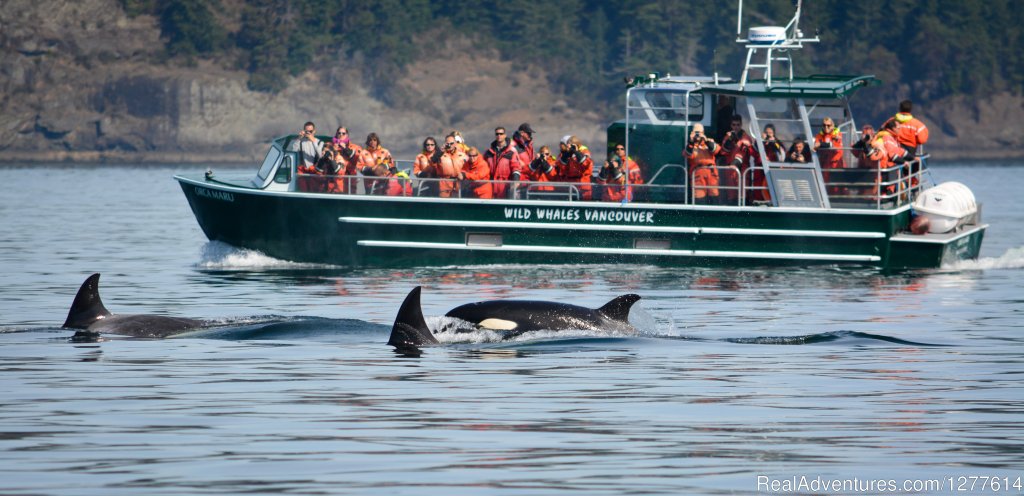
(87,307)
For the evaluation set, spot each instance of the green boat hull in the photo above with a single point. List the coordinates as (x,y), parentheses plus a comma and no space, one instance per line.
(380,231)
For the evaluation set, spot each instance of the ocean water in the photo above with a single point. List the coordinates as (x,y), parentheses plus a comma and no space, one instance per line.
(741,381)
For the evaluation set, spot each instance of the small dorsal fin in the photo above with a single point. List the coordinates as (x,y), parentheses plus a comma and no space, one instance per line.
(410,329)
(87,307)
(618,308)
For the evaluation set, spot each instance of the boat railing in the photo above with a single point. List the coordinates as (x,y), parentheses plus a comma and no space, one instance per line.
(848,187)
(728,191)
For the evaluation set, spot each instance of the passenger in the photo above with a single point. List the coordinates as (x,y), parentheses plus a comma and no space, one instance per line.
(459,140)
(332,166)
(450,165)
(862,148)
(910,132)
(887,151)
(737,151)
(619,174)
(503,160)
(310,150)
(309,147)
(829,145)
(349,155)
(391,182)
(862,151)
(798,152)
(373,155)
(524,144)
(700,155)
(426,165)
(542,170)
(579,167)
(476,173)
(774,150)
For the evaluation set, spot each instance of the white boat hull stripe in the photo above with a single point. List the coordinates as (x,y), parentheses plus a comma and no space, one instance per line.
(603,227)
(622,251)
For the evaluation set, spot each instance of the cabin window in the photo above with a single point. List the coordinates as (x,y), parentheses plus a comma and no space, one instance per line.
(653,105)
(268,163)
(284,173)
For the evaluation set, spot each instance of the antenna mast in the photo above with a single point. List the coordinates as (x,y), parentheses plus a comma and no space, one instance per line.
(780,40)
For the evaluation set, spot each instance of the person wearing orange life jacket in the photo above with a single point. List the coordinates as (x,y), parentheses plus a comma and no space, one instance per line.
(503,159)
(576,166)
(619,174)
(348,156)
(373,155)
(700,154)
(887,152)
(542,170)
(476,172)
(910,132)
(523,139)
(425,166)
(829,143)
(450,164)
(737,150)
(391,182)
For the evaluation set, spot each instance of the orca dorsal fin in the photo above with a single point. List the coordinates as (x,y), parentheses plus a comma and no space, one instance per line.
(618,308)
(87,307)
(410,329)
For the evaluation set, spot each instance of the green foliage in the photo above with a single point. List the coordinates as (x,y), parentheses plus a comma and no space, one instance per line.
(929,48)
(190,28)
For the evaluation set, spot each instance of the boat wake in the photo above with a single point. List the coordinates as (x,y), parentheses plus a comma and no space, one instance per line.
(1012,259)
(222,256)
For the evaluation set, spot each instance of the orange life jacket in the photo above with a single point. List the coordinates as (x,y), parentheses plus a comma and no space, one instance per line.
(831,157)
(477,170)
(616,189)
(910,132)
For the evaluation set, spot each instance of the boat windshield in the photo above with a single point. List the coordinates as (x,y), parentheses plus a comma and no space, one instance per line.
(658,105)
(268,164)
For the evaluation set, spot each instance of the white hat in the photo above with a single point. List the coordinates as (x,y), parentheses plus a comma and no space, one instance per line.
(565,139)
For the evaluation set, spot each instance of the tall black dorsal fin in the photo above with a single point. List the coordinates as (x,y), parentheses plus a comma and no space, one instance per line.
(87,307)
(410,329)
(618,309)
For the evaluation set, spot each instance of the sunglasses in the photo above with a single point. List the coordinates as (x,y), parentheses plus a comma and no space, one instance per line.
(620,149)
(499,134)
(474,156)
(429,144)
(342,133)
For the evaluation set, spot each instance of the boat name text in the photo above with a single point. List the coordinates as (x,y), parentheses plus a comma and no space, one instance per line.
(216,195)
(575,214)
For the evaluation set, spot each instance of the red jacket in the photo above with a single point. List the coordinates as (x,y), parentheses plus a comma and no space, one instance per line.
(503,160)
(830,155)
(615,188)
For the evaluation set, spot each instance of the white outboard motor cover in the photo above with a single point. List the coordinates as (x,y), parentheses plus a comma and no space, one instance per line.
(947,206)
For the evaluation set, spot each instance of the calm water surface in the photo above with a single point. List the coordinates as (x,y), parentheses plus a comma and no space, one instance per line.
(825,372)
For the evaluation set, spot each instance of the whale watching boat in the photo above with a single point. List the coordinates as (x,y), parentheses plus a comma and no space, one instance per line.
(771,213)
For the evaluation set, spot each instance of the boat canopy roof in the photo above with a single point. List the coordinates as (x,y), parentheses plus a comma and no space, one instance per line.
(816,86)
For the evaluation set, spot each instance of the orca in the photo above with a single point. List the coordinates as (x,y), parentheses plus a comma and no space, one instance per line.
(512,318)
(90,318)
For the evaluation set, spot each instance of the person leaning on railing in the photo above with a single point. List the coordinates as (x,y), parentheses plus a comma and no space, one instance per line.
(619,174)
(449,166)
(886,149)
(476,173)
(426,165)
(542,170)
(576,166)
